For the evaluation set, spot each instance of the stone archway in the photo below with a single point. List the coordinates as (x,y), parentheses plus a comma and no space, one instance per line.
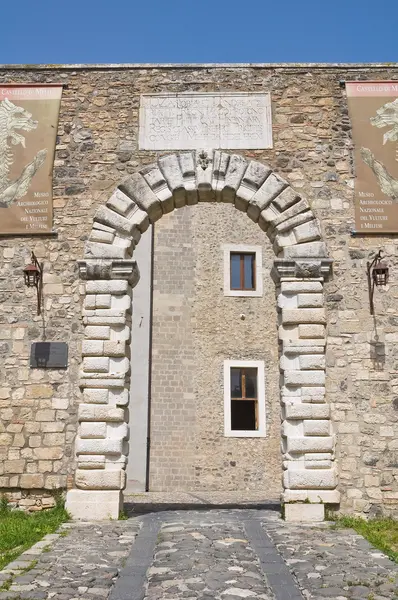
(300,267)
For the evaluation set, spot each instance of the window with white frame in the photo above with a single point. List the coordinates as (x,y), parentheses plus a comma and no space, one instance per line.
(244,398)
(243,270)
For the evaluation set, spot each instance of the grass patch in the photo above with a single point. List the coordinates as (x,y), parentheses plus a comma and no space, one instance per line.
(19,530)
(381,533)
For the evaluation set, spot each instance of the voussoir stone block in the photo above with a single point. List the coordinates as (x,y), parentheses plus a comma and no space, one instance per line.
(303,315)
(95,396)
(309,300)
(92,412)
(269,190)
(119,397)
(312,361)
(315,427)
(89,302)
(97,380)
(171,169)
(103,300)
(94,505)
(220,167)
(310,444)
(254,176)
(318,464)
(120,203)
(117,348)
(105,286)
(310,479)
(138,189)
(110,217)
(324,496)
(97,332)
(188,170)
(307,232)
(236,167)
(304,513)
(282,225)
(98,446)
(286,198)
(91,461)
(304,378)
(100,479)
(295,286)
(311,331)
(304,410)
(154,177)
(98,235)
(93,348)
(92,429)
(96,364)
(307,250)
(277,218)
(300,346)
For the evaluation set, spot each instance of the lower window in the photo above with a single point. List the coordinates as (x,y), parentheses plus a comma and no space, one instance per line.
(244,398)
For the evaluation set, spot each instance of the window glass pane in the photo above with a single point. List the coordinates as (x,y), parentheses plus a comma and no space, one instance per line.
(235,272)
(251,383)
(243,415)
(236,383)
(248,260)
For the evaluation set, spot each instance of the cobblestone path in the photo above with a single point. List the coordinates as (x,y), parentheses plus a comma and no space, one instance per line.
(82,561)
(202,555)
(330,563)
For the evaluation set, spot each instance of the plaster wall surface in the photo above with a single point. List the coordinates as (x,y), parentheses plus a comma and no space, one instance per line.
(97,147)
(139,376)
(195,329)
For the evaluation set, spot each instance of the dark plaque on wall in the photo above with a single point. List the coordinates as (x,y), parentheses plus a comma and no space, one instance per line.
(49,355)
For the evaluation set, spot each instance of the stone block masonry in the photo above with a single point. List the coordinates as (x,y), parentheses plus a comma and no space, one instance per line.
(97,149)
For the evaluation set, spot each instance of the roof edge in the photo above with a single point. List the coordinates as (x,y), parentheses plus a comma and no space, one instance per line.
(126,66)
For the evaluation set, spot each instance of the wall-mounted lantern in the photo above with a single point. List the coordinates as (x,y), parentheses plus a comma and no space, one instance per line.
(377,271)
(33,276)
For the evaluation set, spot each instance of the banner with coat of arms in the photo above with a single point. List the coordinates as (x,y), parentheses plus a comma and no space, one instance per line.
(28,130)
(373,109)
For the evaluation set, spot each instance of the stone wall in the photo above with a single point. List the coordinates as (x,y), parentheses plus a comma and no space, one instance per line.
(96,149)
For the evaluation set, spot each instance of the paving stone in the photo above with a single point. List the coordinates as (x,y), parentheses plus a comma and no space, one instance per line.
(210,554)
(333,563)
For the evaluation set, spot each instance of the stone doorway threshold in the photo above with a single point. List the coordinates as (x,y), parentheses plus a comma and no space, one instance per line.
(143,502)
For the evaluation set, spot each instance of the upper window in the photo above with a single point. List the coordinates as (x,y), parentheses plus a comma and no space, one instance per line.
(244,401)
(242,270)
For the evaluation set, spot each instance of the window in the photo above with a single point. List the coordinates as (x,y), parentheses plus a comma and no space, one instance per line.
(242,270)
(244,399)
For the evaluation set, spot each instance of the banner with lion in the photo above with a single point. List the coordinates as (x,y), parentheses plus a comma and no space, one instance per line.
(373,108)
(28,130)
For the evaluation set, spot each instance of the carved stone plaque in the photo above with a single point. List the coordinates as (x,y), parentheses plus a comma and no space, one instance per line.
(49,355)
(199,120)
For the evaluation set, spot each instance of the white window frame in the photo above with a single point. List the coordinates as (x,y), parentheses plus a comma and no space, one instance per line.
(259,364)
(242,249)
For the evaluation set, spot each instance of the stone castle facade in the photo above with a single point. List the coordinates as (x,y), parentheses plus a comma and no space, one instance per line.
(141,294)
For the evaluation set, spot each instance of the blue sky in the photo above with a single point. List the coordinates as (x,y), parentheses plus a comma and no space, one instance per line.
(103,31)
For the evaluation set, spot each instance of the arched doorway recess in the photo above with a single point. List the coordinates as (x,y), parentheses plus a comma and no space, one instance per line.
(110,273)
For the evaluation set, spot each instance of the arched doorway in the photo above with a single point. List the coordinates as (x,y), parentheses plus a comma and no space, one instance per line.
(300,266)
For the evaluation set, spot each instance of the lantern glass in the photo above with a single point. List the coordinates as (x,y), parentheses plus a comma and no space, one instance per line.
(380,274)
(31,275)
